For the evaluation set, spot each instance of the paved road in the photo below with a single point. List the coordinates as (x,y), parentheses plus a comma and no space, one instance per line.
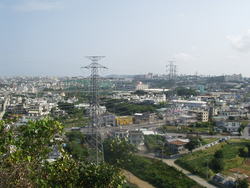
(170,162)
(154,125)
(246,132)
(104,130)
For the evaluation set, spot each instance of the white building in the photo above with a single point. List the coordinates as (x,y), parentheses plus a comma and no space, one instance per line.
(141,86)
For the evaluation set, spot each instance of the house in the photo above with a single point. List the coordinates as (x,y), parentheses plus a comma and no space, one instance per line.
(233,77)
(107,119)
(144,117)
(100,109)
(190,103)
(228,126)
(224,181)
(124,120)
(16,109)
(141,86)
(136,137)
(201,115)
(57,112)
(121,134)
(187,119)
(35,110)
(176,145)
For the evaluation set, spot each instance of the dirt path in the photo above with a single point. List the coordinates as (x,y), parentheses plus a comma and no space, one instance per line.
(136,181)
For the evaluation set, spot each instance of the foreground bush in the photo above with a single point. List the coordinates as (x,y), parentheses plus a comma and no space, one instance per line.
(23,160)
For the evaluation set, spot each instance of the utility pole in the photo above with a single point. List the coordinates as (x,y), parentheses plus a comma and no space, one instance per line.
(207,168)
(94,133)
(162,151)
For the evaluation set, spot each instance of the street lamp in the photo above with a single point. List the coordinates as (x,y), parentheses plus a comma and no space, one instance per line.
(162,148)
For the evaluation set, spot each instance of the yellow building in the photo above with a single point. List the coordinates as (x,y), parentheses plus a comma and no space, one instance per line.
(124,120)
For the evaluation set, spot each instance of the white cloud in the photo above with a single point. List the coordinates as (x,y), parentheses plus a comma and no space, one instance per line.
(240,42)
(38,5)
(182,56)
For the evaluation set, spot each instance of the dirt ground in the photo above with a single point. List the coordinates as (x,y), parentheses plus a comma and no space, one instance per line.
(136,181)
(242,170)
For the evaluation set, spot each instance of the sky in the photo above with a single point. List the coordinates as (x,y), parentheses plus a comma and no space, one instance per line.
(52,37)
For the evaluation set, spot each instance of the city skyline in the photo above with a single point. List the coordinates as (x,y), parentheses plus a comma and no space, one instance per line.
(52,37)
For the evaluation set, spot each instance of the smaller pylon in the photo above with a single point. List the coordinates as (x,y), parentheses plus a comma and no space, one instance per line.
(171,69)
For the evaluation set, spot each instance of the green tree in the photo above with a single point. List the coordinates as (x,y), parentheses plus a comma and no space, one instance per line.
(75,136)
(118,151)
(25,149)
(192,144)
(242,183)
(181,91)
(23,160)
(76,145)
(99,176)
(140,92)
(216,164)
(69,108)
(218,154)
(77,150)
(123,107)
(248,149)
(243,152)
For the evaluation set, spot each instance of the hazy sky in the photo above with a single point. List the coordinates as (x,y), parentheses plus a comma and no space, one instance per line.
(52,37)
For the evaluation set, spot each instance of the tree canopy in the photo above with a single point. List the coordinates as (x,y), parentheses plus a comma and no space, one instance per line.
(193,143)
(118,151)
(182,91)
(217,164)
(123,107)
(24,153)
(218,154)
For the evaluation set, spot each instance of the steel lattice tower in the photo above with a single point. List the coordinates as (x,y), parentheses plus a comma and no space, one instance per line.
(94,128)
(171,70)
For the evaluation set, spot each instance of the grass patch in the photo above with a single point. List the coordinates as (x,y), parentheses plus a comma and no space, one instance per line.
(197,162)
(184,129)
(208,140)
(158,173)
(129,185)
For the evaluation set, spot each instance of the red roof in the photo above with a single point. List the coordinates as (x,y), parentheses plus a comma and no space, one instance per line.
(177,142)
